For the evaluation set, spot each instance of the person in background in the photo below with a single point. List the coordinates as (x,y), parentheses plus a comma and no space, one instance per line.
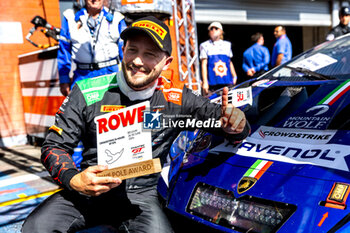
(282,50)
(91,38)
(132,206)
(343,27)
(216,65)
(256,58)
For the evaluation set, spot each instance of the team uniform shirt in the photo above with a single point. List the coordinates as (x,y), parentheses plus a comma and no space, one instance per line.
(89,42)
(75,121)
(218,54)
(282,45)
(257,57)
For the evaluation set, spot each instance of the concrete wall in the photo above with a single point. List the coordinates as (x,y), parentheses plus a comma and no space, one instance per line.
(12,127)
(313,36)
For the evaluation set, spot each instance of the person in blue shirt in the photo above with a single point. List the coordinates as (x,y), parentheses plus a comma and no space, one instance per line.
(91,38)
(282,50)
(256,58)
(216,65)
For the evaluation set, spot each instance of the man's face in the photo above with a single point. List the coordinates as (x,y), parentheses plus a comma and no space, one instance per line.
(344,19)
(278,32)
(261,40)
(143,62)
(215,33)
(94,4)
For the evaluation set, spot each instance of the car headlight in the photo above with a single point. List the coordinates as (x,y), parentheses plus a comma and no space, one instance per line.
(242,214)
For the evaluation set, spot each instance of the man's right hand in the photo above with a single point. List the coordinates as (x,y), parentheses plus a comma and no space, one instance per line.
(65,88)
(251,72)
(205,88)
(89,183)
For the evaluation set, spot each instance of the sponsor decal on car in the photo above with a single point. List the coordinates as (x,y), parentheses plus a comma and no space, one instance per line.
(338,92)
(315,62)
(237,97)
(264,83)
(304,136)
(315,117)
(323,155)
(253,175)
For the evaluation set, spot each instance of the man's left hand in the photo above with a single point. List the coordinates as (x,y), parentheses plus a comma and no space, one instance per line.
(232,119)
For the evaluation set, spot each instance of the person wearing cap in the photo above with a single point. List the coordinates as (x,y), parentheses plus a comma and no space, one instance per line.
(256,58)
(132,205)
(282,49)
(343,27)
(90,38)
(216,65)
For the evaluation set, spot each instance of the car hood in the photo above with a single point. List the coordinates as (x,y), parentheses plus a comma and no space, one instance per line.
(302,139)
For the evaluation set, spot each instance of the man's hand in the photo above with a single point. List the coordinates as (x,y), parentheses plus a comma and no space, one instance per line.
(251,72)
(89,183)
(65,88)
(232,119)
(205,88)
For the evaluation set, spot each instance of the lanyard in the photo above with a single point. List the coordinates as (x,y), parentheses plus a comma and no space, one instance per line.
(94,26)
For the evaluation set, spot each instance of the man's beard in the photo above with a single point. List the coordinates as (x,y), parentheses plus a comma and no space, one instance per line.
(151,77)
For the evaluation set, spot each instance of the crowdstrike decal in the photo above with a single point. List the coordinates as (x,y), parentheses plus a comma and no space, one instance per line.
(303,136)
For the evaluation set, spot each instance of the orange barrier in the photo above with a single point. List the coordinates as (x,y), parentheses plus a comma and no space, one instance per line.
(40,90)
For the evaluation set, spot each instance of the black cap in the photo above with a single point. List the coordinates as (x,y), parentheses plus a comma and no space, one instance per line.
(156,29)
(344,11)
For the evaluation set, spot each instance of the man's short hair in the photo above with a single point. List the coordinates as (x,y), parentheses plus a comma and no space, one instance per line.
(282,27)
(255,37)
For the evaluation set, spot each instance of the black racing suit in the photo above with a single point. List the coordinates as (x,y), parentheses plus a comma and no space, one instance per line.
(75,122)
(337,31)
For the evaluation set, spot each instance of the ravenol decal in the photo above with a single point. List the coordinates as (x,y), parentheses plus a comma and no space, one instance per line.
(253,175)
(220,68)
(111,108)
(323,155)
(161,32)
(56,129)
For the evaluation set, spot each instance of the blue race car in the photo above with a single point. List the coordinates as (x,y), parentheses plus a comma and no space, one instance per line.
(292,173)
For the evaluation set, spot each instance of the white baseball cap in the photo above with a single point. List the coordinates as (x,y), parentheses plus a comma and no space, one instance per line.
(215,24)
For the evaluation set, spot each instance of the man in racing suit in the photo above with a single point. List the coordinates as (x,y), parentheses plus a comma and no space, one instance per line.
(131,206)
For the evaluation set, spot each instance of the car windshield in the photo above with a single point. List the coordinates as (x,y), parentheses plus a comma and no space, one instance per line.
(330,60)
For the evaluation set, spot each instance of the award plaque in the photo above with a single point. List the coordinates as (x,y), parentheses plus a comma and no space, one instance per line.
(124,145)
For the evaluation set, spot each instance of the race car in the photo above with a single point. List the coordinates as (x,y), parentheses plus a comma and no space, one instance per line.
(292,173)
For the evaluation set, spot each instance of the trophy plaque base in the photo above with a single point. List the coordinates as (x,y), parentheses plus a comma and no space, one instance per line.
(133,170)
